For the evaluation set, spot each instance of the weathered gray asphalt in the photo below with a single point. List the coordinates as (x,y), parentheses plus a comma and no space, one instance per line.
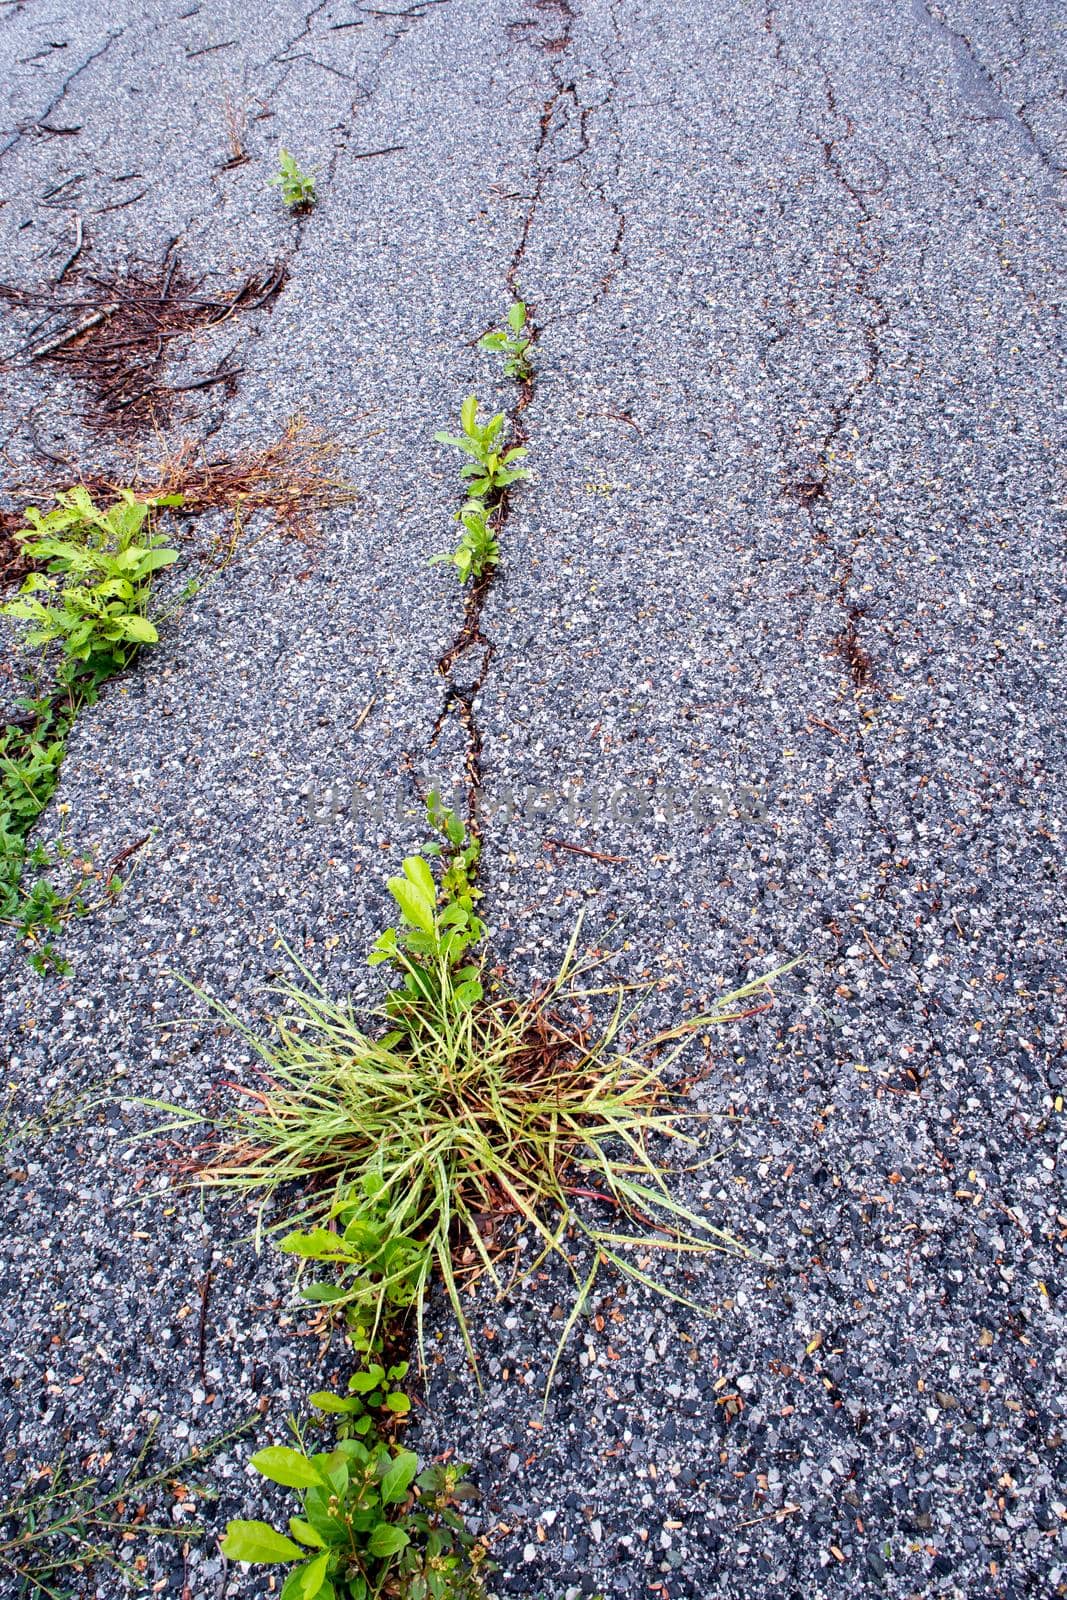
(797,523)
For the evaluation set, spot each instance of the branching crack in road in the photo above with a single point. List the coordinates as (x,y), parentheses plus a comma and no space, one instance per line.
(471,646)
(814,493)
(471,641)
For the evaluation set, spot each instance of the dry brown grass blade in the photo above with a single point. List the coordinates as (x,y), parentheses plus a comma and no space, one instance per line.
(294,479)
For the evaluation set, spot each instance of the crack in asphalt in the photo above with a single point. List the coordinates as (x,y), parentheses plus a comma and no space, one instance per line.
(460,698)
(25,129)
(865,263)
(979,83)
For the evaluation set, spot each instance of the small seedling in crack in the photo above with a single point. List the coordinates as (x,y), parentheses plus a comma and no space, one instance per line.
(489,472)
(297,186)
(512,344)
(479,548)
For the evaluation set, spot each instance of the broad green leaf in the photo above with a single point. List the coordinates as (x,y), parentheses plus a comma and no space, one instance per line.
(398,1403)
(305,1532)
(517,316)
(417,871)
(387,1540)
(364,1382)
(293,1587)
(468,414)
(258,1541)
(313,1575)
(416,907)
(467,994)
(287,1467)
(363,1235)
(336,1404)
(471,447)
(139,628)
(314,1245)
(399,1478)
(155,559)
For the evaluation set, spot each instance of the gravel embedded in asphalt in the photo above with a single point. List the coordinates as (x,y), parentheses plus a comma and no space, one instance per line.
(795,530)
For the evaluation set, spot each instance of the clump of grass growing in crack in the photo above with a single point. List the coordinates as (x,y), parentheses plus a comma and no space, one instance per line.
(69,1526)
(476,1121)
(513,343)
(297,186)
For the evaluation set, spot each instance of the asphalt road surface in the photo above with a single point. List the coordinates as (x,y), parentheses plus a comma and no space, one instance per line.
(778,631)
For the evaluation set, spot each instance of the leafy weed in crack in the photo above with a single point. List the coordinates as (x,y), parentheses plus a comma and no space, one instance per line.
(371,1525)
(479,548)
(297,186)
(374,1399)
(513,343)
(489,471)
(489,474)
(91,599)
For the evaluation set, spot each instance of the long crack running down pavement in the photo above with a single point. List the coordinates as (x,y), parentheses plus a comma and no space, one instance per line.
(794,531)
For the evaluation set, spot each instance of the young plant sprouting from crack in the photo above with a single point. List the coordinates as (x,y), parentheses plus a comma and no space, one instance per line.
(479,548)
(489,475)
(93,599)
(513,343)
(297,186)
(478,1133)
(371,1525)
(489,472)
